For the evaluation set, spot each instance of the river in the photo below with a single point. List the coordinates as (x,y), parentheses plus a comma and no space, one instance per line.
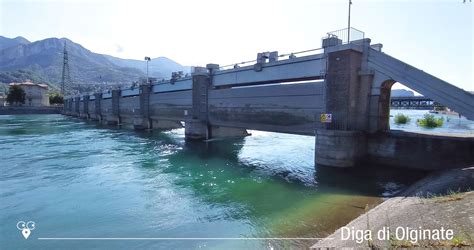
(77,179)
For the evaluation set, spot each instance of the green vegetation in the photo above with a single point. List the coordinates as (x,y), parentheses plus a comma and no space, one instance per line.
(16,95)
(56,98)
(21,75)
(430,121)
(401,119)
(451,195)
(459,241)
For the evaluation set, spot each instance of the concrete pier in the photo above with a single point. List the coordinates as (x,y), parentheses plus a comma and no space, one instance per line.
(77,105)
(197,127)
(112,117)
(96,114)
(84,109)
(340,148)
(142,120)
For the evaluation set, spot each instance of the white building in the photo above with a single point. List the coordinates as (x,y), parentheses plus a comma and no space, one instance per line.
(35,94)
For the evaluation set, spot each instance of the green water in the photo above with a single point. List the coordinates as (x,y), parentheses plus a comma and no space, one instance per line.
(78,179)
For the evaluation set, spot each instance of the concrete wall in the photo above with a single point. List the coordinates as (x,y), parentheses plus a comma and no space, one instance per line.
(294,69)
(420,151)
(292,108)
(106,108)
(170,106)
(129,107)
(91,108)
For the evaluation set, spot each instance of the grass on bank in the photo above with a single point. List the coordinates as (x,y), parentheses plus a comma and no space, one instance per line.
(451,195)
(457,241)
(430,121)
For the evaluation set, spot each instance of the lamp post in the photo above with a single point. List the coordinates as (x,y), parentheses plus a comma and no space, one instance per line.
(147,59)
(349,22)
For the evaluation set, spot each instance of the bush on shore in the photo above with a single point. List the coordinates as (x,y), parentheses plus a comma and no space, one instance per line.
(401,118)
(430,121)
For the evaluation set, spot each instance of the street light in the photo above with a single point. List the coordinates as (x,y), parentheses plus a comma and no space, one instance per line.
(349,23)
(147,59)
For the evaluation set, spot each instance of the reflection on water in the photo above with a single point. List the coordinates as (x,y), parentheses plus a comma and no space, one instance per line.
(79,179)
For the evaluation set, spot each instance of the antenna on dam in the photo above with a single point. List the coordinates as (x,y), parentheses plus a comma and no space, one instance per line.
(66,77)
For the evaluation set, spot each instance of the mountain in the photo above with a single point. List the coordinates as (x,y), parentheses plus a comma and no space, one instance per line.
(160,67)
(43,60)
(7,42)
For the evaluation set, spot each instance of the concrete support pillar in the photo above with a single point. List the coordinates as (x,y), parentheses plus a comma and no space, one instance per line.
(380,106)
(77,103)
(142,120)
(196,130)
(363,103)
(85,108)
(114,117)
(98,113)
(343,143)
(339,148)
(69,106)
(72,107)
(65,107)
(196,124)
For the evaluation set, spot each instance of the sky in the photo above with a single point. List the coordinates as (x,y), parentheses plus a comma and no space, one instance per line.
(433,35)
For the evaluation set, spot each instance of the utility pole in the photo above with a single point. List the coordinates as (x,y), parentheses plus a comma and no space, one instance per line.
(349,22)
(66,74)
(147,59)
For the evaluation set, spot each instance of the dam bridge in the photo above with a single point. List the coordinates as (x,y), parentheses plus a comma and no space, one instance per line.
(412,102)
(339,93)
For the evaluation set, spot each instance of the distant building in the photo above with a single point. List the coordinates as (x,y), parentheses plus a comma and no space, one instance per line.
(36,95)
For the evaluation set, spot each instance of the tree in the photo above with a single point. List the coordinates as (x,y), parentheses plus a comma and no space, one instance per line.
(56,98)
(16,95)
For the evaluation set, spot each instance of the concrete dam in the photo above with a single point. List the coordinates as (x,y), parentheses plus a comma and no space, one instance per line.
(340,94)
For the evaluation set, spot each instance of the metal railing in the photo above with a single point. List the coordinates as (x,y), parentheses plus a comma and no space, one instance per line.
(347,35)
(288,55)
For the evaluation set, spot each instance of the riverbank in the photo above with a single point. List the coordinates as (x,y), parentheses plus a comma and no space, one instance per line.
(442,201)
(25,110)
